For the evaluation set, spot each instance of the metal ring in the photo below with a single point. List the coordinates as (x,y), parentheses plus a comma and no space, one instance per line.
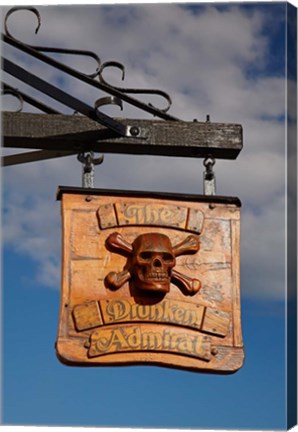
(209,161)
(87,158)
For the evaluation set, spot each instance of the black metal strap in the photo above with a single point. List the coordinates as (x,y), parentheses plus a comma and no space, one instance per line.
(85,78)
(63,97)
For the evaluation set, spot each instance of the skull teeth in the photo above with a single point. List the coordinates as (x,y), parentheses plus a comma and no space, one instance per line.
(157,275)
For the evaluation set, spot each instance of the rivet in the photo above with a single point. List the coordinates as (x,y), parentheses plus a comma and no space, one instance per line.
(87,344)
(211,206)
(134,131)
(88,198)
(214,351)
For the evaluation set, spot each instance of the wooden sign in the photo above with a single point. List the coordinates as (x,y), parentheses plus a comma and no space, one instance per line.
(150,279)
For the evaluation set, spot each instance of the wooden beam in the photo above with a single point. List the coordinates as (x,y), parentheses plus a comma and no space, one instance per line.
(73,133)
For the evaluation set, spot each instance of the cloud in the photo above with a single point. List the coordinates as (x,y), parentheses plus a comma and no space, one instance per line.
(203,57)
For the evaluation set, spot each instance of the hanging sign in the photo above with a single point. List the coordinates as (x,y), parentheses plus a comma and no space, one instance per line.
(150,279)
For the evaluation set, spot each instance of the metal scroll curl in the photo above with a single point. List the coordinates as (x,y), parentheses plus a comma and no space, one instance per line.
(52,50)
(7,90)
(126,90)
(122,92)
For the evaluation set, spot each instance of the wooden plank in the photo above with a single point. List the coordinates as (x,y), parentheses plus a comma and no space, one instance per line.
(235,230)
(130,338)
(59,132)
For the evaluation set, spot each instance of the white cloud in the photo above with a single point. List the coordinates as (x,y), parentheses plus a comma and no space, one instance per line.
(201,59)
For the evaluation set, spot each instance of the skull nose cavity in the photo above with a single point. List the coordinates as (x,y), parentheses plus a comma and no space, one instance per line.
(157,263)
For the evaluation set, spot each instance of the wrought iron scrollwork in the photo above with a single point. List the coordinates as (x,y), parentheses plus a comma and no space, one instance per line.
(96,78)
(126,90)
(15,93)
(23,97)
(52,50)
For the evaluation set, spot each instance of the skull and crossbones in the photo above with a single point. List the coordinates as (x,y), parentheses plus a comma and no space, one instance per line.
(151,262)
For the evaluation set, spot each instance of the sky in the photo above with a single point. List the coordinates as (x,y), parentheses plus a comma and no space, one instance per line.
(228,61)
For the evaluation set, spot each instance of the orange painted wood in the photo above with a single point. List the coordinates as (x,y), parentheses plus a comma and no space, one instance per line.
(187,315)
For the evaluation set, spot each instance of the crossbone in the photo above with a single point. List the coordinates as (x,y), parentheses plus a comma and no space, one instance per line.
(157,279)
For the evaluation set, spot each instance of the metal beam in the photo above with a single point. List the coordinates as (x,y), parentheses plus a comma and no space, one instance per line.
(34,156)
(153,137)
(61,96)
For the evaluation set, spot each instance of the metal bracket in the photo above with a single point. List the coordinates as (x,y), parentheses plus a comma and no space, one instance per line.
(209,176)
(88,168)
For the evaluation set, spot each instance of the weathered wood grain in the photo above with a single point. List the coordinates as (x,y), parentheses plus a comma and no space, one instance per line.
(57,132)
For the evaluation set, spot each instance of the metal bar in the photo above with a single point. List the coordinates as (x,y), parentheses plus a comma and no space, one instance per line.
(80,134)
(61,96)
(34,102)
(217,199)
(34,156)
(209,176)
(209,185)
(101,86)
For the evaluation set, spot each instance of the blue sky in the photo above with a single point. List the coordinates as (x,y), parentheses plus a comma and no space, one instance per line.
(227,61)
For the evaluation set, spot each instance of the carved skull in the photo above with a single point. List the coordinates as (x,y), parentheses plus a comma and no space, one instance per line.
(152,262)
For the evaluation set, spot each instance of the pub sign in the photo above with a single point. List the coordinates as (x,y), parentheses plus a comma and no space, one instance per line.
(150,279)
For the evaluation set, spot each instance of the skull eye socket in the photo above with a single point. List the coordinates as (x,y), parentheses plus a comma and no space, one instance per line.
(167,257)
(146,256)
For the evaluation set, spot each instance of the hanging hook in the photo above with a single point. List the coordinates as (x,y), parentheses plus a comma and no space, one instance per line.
(209,176)
(88,161)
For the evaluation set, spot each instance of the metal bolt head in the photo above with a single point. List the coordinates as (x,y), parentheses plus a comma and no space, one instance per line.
(134,131)
(214,351)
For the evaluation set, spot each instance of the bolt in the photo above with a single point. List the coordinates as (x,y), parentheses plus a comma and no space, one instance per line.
(134,131)
(214,351)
